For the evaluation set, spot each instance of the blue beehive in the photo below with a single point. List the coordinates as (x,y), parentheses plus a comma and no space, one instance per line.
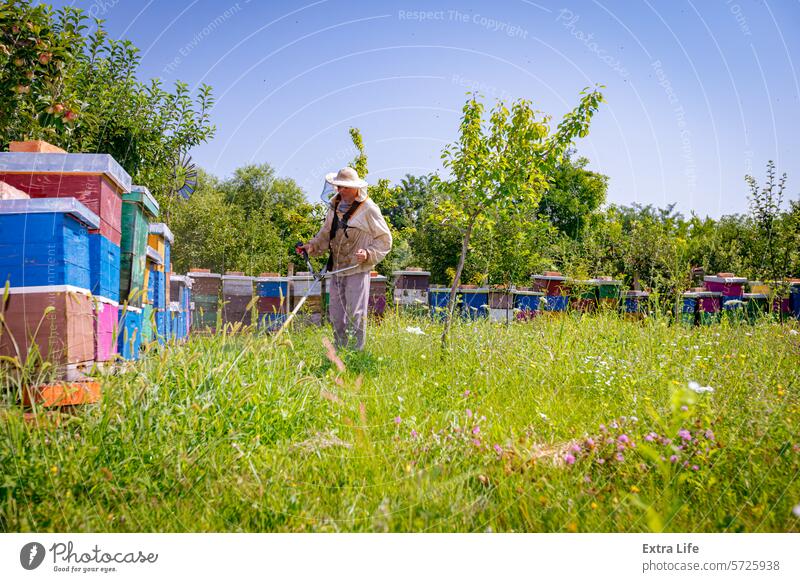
(104,261)
(689,304)
(45,241)
(474,302)
(635,301)
(527,303)
(129,336)
(438,300)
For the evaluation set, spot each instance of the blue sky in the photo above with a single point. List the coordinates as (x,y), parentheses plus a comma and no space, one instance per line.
(699,93)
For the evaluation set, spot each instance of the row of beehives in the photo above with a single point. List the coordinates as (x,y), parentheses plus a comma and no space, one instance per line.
(87,268)
(266,300)
(553,292)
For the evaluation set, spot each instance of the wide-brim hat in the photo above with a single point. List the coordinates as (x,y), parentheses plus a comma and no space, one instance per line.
(348,178)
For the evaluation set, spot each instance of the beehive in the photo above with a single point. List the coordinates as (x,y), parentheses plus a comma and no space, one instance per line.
(139,208)
(552,284)
(129,332)
(527,303)
(709,304)
(689,308)
(148,324)
(474,301)
(635,302)
(104,266)
(95,180)
(45,242)
(725,284)
(60,316)
(106,317)
(439,301)
(206,288)
(272,291)
(411,286)
(237,296)
(501,304)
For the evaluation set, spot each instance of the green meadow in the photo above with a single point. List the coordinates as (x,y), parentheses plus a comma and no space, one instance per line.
(589,423)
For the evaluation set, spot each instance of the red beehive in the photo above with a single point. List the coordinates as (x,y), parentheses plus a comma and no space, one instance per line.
(95,180)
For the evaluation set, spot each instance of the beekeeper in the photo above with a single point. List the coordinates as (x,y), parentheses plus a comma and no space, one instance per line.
(356,235)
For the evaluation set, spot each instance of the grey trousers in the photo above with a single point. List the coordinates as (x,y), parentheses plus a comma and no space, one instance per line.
(348,308)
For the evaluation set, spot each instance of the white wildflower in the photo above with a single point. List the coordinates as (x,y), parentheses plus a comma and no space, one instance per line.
(699,389)
(415,331)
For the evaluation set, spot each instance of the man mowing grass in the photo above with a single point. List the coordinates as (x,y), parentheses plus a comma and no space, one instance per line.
(356,235)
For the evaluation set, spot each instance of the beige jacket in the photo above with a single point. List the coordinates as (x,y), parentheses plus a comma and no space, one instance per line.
(367,229)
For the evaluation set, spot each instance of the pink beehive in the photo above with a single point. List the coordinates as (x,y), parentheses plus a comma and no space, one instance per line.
(105,321)
(726,284)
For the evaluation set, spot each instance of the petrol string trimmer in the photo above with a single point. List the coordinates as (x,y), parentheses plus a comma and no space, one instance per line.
(317,277)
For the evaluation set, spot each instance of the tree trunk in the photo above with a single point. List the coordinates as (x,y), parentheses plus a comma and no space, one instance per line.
(452,304)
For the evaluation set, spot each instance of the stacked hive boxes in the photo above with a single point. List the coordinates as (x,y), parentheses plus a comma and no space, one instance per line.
(139,208)
(206,287)
(160,239)
(377,294)
(237,297)
(97,181)
(302,285)
(272,291)
(555,289)
(44,258)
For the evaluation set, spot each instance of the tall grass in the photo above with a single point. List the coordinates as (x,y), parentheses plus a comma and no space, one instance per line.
(559,424)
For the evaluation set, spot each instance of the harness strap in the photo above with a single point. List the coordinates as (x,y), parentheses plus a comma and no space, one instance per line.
(335,225)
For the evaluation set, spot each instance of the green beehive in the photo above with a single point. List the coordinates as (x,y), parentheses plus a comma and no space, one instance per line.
(138,209)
